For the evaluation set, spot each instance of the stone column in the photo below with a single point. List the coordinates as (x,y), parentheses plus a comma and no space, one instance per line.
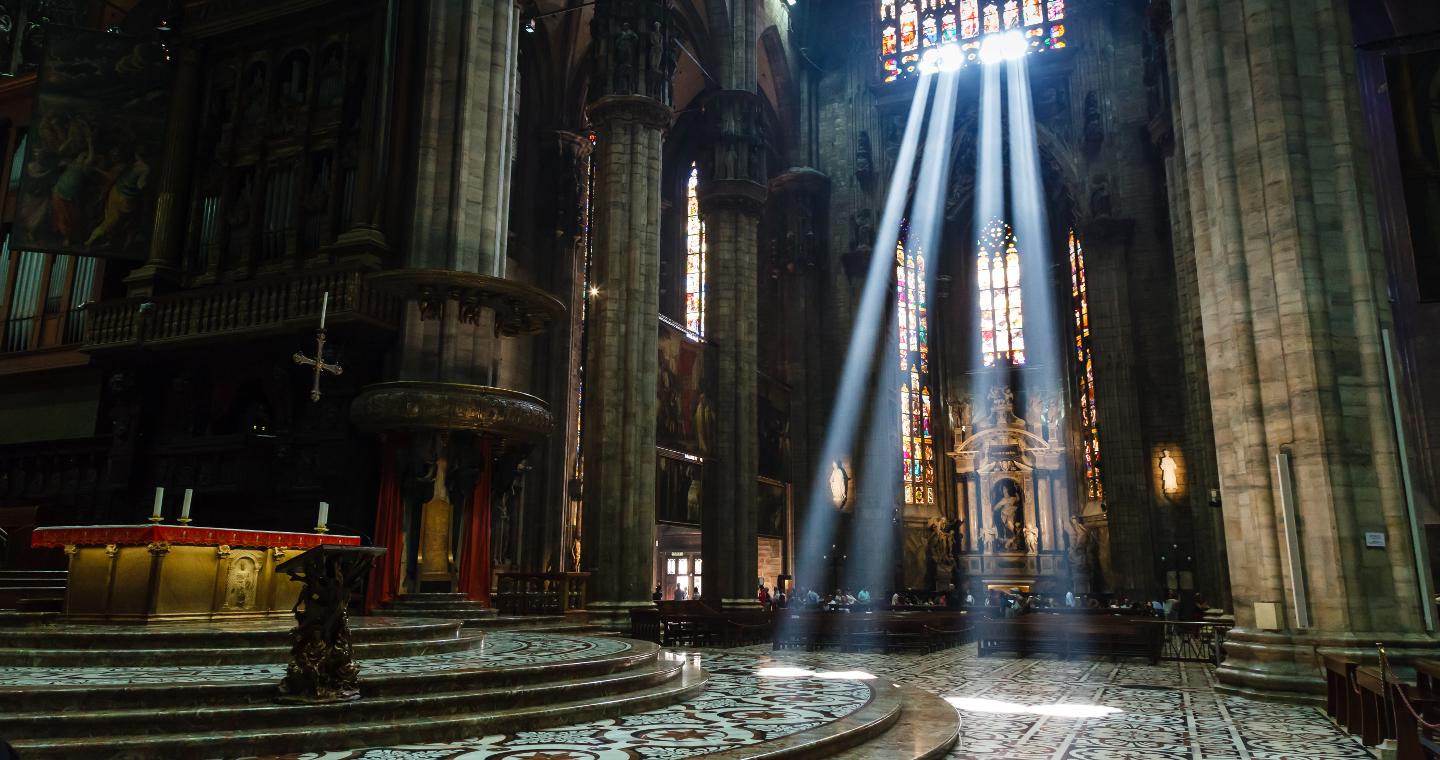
(463,158)
(167,236)
(732,194)
(1292,305)
(629,111)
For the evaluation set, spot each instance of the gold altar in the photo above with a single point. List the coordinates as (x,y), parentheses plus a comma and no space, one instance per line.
(162,573)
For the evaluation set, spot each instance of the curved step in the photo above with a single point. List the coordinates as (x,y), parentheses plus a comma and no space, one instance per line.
(374,707)
(213,644)
(333,736)
(260,686)
(928,728)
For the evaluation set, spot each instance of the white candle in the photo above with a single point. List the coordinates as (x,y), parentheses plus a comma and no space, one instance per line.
(324,307)
(324,514)
(159,500)
(185,507)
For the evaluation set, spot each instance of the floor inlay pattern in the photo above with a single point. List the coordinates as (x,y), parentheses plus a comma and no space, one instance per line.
(501,649)
(742,705)
(1048,709)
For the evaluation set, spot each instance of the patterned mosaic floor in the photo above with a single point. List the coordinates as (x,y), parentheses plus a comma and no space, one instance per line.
(499,650)
(743,705)
(1010,709)
(1047,709)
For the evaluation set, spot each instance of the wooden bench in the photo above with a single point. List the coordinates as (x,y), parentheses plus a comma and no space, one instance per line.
(882,630)
(1342,703)
(1039,633)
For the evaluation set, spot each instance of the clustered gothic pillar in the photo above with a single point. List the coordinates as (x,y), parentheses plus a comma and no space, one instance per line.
(630,88)
(1292,307)
(731,197)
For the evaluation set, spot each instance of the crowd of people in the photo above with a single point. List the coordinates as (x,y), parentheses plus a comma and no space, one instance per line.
(1011,603)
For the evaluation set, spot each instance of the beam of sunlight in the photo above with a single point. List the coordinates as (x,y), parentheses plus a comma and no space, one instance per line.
(835,675)
(881,475)
(869,319)
(972,704)
(1032,234)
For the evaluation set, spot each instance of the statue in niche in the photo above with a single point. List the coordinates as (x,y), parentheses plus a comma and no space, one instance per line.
(330,87)
(961,414)
(1094,129)
(1081,546)
(1034,414)
(1032,539)
(1101,206)
(864,160)
(1169,472)
(657,50)
(864,223)
(625,42)
(1054,413)
(990,539)
(252,95)
(940,546)
(1005,510)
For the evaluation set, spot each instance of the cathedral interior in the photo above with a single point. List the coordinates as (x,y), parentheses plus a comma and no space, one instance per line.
(536,350)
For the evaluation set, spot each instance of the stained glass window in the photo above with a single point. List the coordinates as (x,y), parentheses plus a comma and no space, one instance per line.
(1002,318)
(909,28)
(694,256)
(917,442)
(1085,370)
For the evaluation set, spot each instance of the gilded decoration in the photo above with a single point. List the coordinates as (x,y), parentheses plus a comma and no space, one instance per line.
(520,309)
(415,405)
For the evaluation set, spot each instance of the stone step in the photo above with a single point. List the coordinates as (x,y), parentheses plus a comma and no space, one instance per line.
(16,619)
(375,707)
(444,596)
(196,689)
(199,657)
(55,574)
(439,605)
(7,582)
(239,642)
(406,728)
(40,604)
(927,728)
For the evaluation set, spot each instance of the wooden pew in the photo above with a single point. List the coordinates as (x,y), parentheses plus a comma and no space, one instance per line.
(1342,703)
(1039,633)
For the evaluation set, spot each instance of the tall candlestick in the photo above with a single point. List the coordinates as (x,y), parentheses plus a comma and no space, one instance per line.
(155,515)
(185,507)
(324,307)
(323,517)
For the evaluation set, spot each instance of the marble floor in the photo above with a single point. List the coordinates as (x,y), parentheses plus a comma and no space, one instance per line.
(1010,709)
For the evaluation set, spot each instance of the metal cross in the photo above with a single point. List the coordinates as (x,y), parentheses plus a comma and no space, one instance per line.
(318,363)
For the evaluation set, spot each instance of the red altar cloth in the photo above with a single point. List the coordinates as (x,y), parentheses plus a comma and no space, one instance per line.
(182,535)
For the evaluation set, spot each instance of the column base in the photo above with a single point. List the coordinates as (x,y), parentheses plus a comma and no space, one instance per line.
(1285,667)
(612,616)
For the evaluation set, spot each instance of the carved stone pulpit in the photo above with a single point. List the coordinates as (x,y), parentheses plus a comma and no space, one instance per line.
(322,667)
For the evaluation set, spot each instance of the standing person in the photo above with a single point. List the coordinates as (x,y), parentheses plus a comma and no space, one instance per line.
(679,593)
(658,595)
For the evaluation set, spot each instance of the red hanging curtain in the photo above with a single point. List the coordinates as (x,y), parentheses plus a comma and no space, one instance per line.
(475,553)
(389,527)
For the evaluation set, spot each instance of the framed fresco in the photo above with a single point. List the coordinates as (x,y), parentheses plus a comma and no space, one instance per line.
(772,409)
(685,390)
(772,502)
(680,489)
(93,150)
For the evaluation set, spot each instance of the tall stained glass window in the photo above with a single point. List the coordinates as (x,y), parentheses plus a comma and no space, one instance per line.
(694,256)
(1085,370)
(917,441)
(1002,315)
(908,28)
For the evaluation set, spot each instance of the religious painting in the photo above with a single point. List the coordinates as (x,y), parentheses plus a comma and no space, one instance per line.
(771,506)
(686,393)
(92,161)
(679,487)
(772,406)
